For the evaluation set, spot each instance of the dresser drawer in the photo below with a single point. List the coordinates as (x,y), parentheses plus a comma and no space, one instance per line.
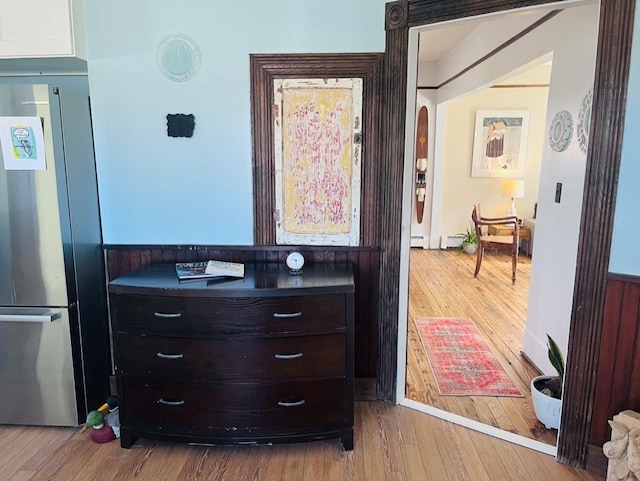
(234,407)
(269,358)
(194,317)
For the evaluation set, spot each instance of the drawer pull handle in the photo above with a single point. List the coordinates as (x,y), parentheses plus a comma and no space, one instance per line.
(292,314)
(170,315)
(288,356)
(170,403)
(291,405)
(162,355)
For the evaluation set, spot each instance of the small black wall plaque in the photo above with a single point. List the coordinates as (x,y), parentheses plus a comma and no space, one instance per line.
(180,125)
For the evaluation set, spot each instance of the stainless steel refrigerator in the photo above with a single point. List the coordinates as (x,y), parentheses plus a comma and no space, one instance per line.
(54,338)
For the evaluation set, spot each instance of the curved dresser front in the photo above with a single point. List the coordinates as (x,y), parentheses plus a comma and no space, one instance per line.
(263,359)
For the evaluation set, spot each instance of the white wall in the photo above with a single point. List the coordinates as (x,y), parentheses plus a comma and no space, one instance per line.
(558,224)
(160,190)
(460,190)
(457,190)
(625,251)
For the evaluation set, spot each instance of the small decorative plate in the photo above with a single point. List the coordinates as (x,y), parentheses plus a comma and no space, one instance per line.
(561,131)
(178,57)
(584,121)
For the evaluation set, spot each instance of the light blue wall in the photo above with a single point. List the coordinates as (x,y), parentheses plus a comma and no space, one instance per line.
(160,190)
(625,249)
(77,83)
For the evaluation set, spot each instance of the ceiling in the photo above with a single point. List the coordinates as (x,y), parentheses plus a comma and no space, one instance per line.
(437,41)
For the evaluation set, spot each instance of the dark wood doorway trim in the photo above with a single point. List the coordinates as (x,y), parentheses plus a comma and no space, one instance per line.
(264,69)
(601,178)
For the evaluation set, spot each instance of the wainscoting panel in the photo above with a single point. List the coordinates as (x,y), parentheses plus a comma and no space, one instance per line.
(121,259)
(618,378)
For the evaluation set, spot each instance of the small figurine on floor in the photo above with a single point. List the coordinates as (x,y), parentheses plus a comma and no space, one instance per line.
(106,427)
(101,432)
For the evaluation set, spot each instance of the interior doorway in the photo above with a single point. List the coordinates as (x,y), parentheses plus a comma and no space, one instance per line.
(435,218)
(454,294)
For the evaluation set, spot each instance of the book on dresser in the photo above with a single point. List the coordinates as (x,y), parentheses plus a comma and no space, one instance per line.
(188,271)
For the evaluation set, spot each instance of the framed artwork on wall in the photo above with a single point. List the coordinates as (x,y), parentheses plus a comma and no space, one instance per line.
(500,143)
(318,149)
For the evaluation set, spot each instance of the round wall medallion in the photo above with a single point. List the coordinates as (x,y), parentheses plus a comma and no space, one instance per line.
(584,121)
(396,16)
(560,131)
(178,57)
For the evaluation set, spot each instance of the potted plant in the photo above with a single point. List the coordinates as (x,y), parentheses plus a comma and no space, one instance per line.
(469,241)
(546,391)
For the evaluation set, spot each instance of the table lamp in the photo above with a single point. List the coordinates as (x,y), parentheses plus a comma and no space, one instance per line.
(515,190)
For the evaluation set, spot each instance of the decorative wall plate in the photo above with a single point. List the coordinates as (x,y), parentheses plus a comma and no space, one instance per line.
(561,131)
(584,121)
(178,57)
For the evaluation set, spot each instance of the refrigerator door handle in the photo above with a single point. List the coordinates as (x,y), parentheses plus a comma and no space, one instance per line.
(42,317)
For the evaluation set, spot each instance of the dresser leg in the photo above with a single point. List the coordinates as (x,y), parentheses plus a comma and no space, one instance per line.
(126,438)
(347,441)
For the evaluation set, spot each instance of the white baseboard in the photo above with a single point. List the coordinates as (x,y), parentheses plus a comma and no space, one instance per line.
(434,242)
(437,242)
(482,428)
(417,241)
(448,241)
(536,352)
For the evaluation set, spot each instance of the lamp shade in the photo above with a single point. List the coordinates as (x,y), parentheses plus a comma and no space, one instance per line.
(513,189)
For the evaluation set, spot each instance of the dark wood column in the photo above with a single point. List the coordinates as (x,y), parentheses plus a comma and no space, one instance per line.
(393,131)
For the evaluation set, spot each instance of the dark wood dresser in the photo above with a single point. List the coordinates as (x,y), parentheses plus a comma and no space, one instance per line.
(263,359)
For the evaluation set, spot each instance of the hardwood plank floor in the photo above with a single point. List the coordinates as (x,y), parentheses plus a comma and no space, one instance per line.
(392,443)
(442,284)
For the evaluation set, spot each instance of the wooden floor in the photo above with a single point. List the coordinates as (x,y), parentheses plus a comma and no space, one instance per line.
(392,443)
(442,284)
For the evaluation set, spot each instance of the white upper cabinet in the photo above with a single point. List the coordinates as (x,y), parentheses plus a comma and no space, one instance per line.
(42,28)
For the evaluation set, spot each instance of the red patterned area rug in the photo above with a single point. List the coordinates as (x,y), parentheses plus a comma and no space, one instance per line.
(461,361)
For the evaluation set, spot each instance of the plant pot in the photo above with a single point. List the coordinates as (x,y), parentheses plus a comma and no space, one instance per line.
(547,408)
(469,248)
